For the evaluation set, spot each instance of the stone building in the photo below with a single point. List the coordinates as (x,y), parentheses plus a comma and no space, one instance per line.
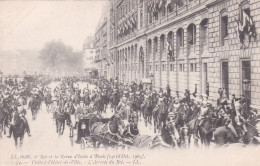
(89,52)
(188,44)
(102,45)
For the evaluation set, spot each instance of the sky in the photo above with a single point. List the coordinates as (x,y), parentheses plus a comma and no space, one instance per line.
(28,25)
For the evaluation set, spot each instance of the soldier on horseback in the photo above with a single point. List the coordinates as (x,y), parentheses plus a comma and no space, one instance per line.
(20,112)
(203,112)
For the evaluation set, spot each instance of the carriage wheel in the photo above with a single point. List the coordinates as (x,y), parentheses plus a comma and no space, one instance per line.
(83,143)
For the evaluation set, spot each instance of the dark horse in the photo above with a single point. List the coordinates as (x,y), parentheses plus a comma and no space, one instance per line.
(114,100)
(108,134)
(19,128)
(3,119)
(5,114)
(60,118)
(147,108)
(206,132)
(34,105)
(160,116)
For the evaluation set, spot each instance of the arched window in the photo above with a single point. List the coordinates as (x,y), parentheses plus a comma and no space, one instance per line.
(203,34)
(149,48)
(170,51)
(191,35)
(180,35)
(162,42)
(155,45)
(223,26)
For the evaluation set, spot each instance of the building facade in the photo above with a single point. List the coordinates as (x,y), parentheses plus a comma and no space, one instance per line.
(89,52)
(102,44)
(188,44)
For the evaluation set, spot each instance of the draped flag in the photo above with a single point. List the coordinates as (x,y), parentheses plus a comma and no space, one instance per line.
(141,55)
(170,52)
(133,21)
(149,5)
(129,24)
(162,3)
(125,25)
(111,59)
(119,31)
(245,28)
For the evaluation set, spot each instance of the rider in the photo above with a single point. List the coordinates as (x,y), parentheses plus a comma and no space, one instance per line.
(20,113)
(203,112)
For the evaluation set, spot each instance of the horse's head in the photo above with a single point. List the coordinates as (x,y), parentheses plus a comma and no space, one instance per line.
(118,123)
(134,119)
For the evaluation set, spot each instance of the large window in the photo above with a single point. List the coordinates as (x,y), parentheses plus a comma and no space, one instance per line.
(191,34)
(224,27)
(203,34)
(180,34)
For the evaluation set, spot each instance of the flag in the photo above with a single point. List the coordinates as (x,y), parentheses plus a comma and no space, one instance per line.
(119,31)
(170,52)
(133,21)
(141,55)
(245,25)
(162,3)
(168,2)
(125,27)
(149,5)
(129,24)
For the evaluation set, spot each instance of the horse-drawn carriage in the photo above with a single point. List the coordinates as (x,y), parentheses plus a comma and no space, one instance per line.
(84,135)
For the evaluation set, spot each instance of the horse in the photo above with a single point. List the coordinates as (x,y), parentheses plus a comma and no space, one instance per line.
(34,105)
(48,100)
(131,130)
(114,100)
(109,134)
(5,114)
(60,117)
(206,131)
(170,134)
(252,136)
(224,135)
(19,128)
(160,116)
(3,119)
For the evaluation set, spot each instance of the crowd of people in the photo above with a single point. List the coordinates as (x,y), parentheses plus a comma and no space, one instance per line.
(173,116)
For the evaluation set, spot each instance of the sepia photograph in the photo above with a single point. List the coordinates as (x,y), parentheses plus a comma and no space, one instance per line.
(129,82)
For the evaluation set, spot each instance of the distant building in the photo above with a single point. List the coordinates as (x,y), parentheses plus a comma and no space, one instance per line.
(102,45)
(89,52)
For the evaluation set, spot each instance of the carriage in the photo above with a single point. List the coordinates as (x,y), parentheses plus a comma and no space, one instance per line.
(84,135)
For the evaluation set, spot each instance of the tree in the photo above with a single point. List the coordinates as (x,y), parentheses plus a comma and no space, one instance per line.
(55,55)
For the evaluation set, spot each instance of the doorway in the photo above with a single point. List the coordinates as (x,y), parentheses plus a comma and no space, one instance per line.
(225,77)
